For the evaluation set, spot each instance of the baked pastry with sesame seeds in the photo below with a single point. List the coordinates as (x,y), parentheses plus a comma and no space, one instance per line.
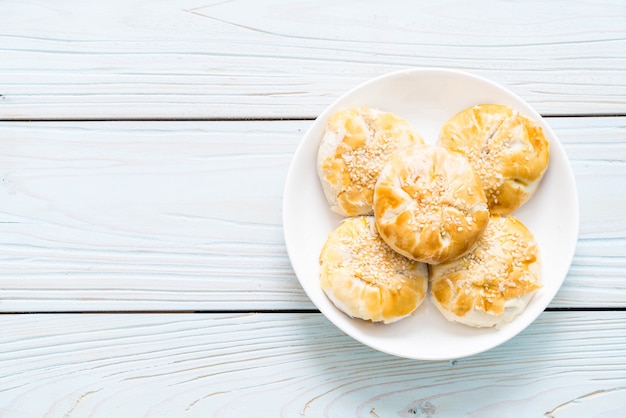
(508,151)
(356,145)
(493,283)
(429,204)
(365,278)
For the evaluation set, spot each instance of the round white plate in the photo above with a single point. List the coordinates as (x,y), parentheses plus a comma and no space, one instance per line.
(427,98)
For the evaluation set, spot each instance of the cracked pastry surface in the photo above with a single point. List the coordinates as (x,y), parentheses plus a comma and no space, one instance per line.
(356,145)
(508,151)
(493,283)
(365,278)
(429,204)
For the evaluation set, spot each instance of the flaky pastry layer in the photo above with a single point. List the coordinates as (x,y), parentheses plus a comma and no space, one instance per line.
(495,281)
(509,152)
(356,145)
(429,204)
(365,278)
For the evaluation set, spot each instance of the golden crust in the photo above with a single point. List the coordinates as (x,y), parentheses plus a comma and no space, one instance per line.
(494,282)
(356,145)
(365,278)
(429,204)
(508,151)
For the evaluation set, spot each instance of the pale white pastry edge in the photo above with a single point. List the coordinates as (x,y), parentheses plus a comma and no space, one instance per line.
(480,319)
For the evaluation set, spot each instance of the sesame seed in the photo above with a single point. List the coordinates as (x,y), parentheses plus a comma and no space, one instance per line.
(373,260)
(365,161)
(497,269)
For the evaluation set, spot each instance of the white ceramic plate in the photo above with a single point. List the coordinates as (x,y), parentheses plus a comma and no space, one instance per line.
(427,98)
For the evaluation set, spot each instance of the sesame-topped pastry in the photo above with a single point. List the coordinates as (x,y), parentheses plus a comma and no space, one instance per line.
(356,145)
(429,204)
(365,278)
(508,150)
(493,283)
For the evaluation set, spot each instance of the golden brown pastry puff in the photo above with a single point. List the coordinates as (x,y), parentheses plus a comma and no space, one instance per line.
(429,204)
(356,145)
(492,284)
(508,150)
(365,278)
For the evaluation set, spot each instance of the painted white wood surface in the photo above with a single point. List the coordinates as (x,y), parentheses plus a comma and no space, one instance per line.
(288,365)
(276,58)
(187,215)
(183,216)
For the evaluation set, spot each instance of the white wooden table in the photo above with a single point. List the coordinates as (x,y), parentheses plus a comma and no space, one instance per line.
(143,152)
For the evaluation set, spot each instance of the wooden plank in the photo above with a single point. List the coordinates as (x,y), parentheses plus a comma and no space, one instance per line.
(96,214)
(187,215)
(566,364)
(597,151)
(192,59)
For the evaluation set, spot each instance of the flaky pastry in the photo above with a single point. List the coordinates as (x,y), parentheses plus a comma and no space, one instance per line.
(356,145)
(493,283)
(365,278)
(508,151)
(429,204)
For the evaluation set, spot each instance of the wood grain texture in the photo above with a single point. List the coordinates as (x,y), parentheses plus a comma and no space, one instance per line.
(193,59)
(96,214)
(187,215)
(177,217)
(564,365)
